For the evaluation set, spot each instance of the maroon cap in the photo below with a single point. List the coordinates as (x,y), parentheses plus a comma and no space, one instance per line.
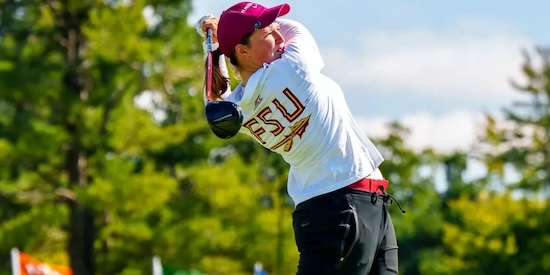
(242,18)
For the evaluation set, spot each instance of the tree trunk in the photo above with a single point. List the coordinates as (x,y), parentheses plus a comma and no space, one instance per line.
(81,227)
(81,224)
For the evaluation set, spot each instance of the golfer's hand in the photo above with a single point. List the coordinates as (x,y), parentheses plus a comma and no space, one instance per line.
(208,22)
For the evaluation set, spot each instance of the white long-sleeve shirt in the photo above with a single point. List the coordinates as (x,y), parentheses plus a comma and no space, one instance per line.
(290,107)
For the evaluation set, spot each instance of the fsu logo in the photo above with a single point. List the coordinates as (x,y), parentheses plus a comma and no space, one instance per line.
(297,129)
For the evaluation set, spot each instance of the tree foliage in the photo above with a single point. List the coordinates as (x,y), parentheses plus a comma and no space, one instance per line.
(520,142)
(501,230)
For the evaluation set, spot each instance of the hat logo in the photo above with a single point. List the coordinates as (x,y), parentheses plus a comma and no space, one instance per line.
(253,5)
(257,25)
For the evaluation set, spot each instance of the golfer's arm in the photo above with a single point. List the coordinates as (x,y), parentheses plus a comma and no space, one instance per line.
(300,46)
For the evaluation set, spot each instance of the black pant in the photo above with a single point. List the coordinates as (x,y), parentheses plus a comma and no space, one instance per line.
(347,232)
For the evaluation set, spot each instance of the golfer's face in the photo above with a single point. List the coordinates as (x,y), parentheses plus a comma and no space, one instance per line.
(266,44)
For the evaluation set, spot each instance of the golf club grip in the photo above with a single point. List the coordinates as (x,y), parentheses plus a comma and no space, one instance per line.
(209,65)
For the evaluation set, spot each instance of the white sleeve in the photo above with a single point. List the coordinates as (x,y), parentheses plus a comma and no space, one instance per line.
(223,70)
(300,46)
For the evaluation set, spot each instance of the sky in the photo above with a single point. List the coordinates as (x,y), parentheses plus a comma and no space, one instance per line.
(435,66)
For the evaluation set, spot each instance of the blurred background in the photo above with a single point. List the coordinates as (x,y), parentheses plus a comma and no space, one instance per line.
(107,165)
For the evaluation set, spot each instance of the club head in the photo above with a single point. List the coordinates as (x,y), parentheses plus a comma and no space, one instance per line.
(224,118)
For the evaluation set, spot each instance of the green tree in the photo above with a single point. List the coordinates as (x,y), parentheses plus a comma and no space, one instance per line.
(495,234)
(78,168)
(520,143)
(502,230)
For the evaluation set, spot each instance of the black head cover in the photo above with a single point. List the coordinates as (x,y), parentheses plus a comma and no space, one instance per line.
(224,118)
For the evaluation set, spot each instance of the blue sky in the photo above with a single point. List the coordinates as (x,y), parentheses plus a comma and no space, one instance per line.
(436,66)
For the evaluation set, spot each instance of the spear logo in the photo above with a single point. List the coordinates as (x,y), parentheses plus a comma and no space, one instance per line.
(297,129)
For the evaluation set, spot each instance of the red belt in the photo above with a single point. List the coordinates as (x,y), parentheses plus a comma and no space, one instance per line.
(370,185)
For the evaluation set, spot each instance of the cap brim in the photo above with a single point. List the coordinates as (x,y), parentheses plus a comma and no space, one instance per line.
(284,9)
(269,15)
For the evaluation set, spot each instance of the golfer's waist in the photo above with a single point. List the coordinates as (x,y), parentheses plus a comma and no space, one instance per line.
(370,185)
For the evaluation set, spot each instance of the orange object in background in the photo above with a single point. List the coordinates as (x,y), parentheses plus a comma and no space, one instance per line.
(23,264)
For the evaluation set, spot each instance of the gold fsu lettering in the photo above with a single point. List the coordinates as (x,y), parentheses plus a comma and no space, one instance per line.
(295,130)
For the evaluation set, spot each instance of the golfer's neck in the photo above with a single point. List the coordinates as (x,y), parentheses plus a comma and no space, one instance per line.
(247,72)
(245,75)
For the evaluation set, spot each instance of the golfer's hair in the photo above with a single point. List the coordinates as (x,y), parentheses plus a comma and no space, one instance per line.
(220,83)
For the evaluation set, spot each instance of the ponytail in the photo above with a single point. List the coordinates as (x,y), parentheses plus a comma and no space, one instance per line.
(220,83)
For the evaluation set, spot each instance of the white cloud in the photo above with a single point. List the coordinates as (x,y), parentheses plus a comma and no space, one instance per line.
(456,130)
(446,133)
(473,59)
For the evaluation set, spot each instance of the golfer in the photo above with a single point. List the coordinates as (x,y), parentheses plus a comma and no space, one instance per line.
(341,220)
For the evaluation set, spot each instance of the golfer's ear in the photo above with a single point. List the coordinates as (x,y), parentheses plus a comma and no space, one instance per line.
(241,50)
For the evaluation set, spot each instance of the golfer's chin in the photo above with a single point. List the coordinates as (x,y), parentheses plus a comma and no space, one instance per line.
(277,55)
